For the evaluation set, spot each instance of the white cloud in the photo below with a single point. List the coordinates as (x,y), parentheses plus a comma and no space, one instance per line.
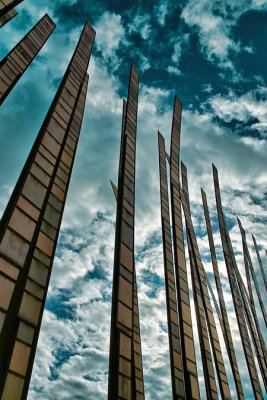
(173,70)
(214,25)
(161,11)
(141,24)
(110,34)
(179,47)
(242,108)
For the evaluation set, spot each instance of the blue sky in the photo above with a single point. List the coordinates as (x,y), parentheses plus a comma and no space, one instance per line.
(213,56)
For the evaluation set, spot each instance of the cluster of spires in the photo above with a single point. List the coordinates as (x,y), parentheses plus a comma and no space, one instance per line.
(125,376)
(29,231)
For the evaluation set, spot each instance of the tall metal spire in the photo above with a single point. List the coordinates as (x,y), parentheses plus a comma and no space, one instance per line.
(30,225)
(176,363)
(125,363)
(227,335)
(184,310)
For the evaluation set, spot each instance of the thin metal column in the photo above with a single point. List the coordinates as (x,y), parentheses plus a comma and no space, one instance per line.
(228,337)
(184,310)
(177,373)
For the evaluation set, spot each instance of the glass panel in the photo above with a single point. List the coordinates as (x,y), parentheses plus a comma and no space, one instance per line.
(126,257)
(34,191)
(49,230)
(28,208)
(20,358)
(58,192)
(139,385)
(56,130)
(189,348)
(125,292)
(52,215)
(25,333)
(6,292)
(22,224)
(14,247)
(44,163)
(125,367)
(124,387)
(62,175)
(127,234)
(13,388)
(8,269)
(66,158)
(177,360)
(125,346)
(45,244)
(55,203)
(124,316)
(34,288)
(51,144)
(30,309)
(42,257)
(38,272)
(47,155)
(40,174)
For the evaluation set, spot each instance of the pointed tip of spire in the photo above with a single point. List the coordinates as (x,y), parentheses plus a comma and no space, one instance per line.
(114,188)
(177,100)
(88,23)
(183,166)
(134,68)
(161,138)
(203,192)
(214,171)
(168,157)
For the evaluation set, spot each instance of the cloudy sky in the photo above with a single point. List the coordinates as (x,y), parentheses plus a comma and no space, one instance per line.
(213,56)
